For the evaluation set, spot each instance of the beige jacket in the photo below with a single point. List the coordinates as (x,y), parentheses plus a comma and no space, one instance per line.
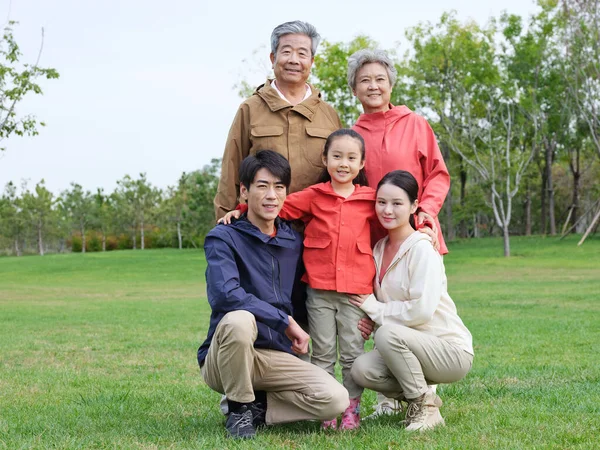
(266,121)
(414,292)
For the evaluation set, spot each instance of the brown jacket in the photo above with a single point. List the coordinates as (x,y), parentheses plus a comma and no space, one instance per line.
(266,121)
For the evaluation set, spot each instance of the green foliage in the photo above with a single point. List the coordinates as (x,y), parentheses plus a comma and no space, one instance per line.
(16,81)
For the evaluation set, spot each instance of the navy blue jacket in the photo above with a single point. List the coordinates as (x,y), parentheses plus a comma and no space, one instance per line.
(249,270)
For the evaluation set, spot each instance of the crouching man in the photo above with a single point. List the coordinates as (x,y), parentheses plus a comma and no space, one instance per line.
(249,352)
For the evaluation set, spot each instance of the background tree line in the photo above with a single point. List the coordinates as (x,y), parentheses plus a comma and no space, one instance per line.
(136,215)
(515,104)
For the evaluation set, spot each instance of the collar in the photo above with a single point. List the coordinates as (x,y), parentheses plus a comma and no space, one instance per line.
(285,237)
(307,108)
(307,93)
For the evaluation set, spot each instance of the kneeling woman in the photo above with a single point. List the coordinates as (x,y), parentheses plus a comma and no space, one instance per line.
(420,339)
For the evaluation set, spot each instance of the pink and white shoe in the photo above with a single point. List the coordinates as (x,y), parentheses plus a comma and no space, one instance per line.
(329,424)
(351,417)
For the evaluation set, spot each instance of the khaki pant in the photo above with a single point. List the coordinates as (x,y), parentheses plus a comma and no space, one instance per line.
(406,360)
(296,390)
(333,322)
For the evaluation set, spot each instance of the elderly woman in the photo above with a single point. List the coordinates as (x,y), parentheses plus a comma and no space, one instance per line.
(397,139)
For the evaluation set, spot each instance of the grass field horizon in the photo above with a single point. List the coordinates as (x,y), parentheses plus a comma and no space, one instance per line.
(98,350)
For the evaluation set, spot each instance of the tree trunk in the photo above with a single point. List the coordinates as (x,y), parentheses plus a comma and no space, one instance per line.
(549,147)
(528,211)
(134,238)
(506,240)
(40,241)
(576,187)
(17,249)
(463,231)
(82,239)
(450,235)
(179,239)
(103,241)
(142,233)
(574,165)
(544,210)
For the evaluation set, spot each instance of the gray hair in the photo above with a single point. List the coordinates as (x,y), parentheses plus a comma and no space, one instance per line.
(295,27)
(367,56)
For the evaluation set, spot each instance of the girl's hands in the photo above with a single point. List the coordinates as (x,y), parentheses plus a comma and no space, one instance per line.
(357,299)
(226,219)
(366,327)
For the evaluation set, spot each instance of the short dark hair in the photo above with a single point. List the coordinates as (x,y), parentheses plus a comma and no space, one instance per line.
(274,162)
(361,178)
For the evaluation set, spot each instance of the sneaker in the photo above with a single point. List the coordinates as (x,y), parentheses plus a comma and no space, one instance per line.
(388,407)
(239,424)
(259,413)
(423,413)
(329,424)
(351,417)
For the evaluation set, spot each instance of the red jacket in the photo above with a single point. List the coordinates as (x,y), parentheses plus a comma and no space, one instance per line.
(337,243)
(401,139)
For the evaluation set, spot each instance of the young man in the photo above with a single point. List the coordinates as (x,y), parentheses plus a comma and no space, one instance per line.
(249,352)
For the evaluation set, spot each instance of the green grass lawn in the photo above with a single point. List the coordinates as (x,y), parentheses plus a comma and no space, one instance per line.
(99,351)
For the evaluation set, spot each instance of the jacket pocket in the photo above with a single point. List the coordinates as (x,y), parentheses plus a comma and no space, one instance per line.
(266,138)
(314,242)
(315,142)
(318,261)
(364,247)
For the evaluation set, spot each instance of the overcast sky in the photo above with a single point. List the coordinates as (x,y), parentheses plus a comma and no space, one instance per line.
(147,86)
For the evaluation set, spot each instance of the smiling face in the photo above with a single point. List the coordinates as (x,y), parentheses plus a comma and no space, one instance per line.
(373,88)
(344,159)
(293,60)
(265,197)
(393,207)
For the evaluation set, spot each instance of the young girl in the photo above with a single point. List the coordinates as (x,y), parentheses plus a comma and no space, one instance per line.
(420,339)
(337,255)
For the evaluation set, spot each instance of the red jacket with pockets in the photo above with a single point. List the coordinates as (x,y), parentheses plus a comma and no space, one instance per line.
(337,238)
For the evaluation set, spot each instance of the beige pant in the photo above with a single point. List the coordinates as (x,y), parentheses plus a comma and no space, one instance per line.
(333,322)
(296,390)
(406,360)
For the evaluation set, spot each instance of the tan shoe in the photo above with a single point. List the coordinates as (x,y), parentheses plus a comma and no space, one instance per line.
(423,413)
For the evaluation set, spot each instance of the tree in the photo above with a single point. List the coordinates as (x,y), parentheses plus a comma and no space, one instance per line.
(103,214)
(16,81)
(199,216)
(79,206)
(11,218)
(37,211)
(580,36)
(174,207)
(136,199)
(465,83)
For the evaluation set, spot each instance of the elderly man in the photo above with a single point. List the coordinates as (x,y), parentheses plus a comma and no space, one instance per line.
(248,353)
(286,115)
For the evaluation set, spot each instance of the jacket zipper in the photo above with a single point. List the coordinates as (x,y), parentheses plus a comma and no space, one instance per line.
(275,292)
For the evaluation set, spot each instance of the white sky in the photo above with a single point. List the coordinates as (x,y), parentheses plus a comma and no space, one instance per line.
(147,85)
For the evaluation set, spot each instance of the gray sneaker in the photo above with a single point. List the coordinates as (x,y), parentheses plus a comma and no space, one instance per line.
(385,408)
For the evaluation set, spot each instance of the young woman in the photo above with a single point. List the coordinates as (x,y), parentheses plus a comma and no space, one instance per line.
(338,214)
(420,338)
